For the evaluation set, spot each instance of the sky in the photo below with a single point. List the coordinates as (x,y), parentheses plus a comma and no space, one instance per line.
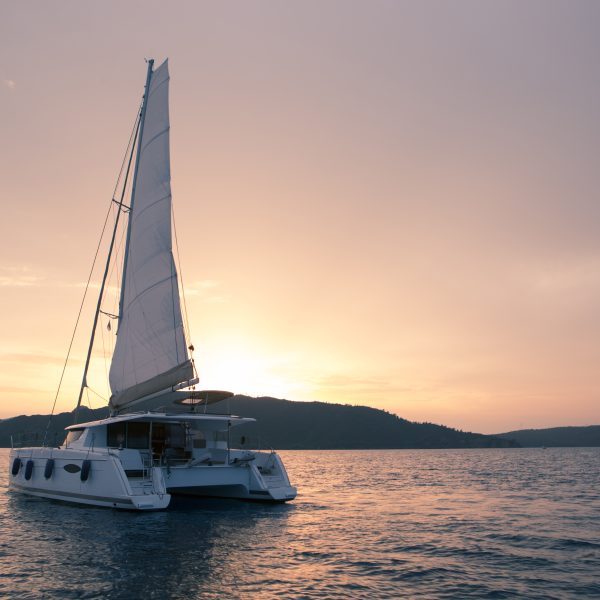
(392,204)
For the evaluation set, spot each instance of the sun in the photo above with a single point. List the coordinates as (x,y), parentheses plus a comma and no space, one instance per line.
(242,367)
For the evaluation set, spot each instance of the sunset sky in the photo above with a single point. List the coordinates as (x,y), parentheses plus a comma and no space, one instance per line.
(392,204)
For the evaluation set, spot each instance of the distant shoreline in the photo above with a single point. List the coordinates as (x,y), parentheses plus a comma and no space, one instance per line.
(288,425)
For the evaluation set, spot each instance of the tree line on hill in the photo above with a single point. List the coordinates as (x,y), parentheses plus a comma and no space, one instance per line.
(287,425)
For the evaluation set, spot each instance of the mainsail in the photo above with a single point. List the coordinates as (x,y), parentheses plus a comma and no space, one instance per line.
(150,353)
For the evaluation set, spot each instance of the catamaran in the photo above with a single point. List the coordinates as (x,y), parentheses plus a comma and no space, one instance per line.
(158,440)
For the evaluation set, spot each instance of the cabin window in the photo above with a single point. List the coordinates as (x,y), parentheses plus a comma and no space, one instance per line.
(73,436)
(138,435)
(199,439)
(158,438)
(221,436)
(175,437)
(168,438)
(116,435)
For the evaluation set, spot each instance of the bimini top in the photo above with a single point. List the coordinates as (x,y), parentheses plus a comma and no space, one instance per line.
(216,422)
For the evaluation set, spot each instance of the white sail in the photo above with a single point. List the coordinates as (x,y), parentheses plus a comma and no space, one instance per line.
(150,353)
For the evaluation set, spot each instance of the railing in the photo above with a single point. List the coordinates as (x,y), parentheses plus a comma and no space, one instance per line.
(246,442)
(24,439)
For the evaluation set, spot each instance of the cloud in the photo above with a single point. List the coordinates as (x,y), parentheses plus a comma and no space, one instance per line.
(10,84)
(32,358)
(18,277)
(93,285)
(203,289)
(208,283)
(24,276)
(198,287)
(22,281)
(359,385)
(216,299)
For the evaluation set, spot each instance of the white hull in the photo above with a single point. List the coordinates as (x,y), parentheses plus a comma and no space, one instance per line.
(107,484)
(112,482)
(245,480)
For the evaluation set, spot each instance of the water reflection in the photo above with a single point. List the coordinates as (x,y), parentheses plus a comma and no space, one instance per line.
(381,524)
(60,550)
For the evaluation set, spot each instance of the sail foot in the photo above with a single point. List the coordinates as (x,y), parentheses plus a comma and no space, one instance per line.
(172,377)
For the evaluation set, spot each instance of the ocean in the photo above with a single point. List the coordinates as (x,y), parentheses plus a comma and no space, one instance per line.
(490,523)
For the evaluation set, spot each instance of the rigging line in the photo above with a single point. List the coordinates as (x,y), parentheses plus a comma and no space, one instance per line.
(117,208)
(109,315)
(76,324)
(115,273)
(175,328)
(97,394)
(106,271)
(185,311)
(137,116)
(115,266)
(134,182)
(87,285)
(104,349)
(120,205)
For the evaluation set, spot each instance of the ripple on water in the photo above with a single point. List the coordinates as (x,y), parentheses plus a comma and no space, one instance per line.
(498,523)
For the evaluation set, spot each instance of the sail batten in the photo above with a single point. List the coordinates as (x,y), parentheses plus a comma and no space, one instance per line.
(151,351)
(144,146)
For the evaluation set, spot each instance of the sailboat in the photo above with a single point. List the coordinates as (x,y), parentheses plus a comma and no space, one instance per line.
(159,440)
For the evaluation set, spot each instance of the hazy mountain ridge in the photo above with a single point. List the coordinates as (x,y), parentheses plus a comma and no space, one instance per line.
(285,424)
(318,425)
(587,435)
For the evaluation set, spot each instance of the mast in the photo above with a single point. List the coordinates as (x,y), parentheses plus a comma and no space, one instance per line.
(137,165)
(140,130)
(105,276)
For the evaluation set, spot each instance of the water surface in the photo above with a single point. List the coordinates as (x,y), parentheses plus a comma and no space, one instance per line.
(493,523)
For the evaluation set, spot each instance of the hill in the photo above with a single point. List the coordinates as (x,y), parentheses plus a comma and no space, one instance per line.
(34,426)
(556,436)
(305,425)
(284,424)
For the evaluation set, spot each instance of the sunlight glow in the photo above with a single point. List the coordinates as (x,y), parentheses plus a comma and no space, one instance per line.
(236,365)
